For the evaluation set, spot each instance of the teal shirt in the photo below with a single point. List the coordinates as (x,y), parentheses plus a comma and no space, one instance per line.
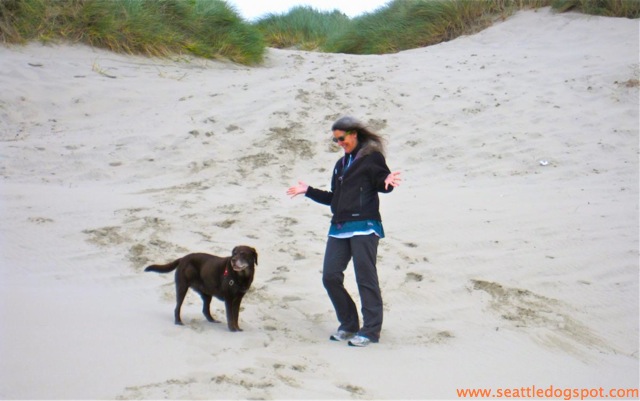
(351,228)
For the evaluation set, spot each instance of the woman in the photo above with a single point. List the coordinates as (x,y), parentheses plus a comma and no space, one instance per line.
(356,227)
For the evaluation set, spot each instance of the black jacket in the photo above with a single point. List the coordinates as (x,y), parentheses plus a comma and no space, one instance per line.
(354,192)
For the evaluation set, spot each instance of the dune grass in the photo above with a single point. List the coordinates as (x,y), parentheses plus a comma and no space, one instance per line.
(206,28)
(214,29)
(406,25)
(303,27)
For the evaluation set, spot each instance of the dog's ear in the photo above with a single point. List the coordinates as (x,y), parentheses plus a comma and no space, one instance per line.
(255,255)
(234,250)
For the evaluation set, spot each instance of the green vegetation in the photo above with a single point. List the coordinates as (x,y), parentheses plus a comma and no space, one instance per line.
(213,29)
(304,28)
(406,25)
(205,28)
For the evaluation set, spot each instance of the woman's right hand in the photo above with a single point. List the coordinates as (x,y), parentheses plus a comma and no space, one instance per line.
(296,190)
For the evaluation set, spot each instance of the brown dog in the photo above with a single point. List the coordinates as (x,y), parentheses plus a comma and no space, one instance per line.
(227,279)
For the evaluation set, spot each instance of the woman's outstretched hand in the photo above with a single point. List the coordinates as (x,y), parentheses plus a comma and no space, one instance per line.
(392,179)
(296,190)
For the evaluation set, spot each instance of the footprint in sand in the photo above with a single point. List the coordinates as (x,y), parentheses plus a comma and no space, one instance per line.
(526,310)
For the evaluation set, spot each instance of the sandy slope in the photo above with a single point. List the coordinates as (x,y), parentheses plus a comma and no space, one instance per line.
(511,256)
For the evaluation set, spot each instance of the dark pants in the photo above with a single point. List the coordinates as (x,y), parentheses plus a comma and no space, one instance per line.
(363,249)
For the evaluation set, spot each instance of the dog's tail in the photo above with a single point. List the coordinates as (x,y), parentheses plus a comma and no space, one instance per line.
(169,267)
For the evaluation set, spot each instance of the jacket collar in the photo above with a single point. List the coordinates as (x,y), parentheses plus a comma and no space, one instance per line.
(354,152)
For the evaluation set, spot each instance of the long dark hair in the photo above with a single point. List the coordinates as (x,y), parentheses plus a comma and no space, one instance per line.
(365,135)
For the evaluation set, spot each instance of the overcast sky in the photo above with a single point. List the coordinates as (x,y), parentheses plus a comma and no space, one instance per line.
(252,9)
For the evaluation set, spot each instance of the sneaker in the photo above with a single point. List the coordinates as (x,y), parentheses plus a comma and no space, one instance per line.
(359,341)
(341,335)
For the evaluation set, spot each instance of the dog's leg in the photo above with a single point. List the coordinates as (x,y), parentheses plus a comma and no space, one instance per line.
(181,292)
(233,313)
(206,311)
(236,311)
(232,322)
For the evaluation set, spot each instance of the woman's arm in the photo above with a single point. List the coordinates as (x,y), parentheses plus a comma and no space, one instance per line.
(383,178)
(317,195)
(320,196)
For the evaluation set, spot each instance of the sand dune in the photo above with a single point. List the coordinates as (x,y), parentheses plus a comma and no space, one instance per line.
(511,256)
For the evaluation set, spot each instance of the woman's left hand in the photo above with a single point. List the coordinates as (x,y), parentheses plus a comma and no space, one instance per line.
(392,179)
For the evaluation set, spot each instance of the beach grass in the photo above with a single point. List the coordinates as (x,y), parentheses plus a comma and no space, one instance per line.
(408,24)
(205,28)
(214,29)
(302,27)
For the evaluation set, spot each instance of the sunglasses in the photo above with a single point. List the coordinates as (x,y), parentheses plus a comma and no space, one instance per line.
(341,138)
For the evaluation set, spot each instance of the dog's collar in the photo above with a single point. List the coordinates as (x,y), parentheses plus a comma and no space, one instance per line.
(226,275)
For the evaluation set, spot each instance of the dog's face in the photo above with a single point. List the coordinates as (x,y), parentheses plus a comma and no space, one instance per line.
(244,258)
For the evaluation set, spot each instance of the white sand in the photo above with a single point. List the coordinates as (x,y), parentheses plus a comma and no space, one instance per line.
(496,271)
